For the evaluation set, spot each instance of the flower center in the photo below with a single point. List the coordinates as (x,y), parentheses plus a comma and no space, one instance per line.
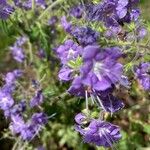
(71,53)
(100,69)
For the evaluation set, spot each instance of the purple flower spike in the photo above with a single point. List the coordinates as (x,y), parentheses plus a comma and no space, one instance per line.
(142,72)
(114,13)
(17,49)
(100,133)
(6,100)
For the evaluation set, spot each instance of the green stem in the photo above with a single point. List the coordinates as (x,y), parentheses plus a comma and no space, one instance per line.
(49,8)
(33,5)
(30,52)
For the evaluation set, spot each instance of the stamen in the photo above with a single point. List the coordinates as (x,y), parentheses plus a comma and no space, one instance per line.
(111,106)
(86,98)
(100,102)
(92,99)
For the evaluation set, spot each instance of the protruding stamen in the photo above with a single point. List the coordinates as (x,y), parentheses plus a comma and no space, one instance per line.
(86,98)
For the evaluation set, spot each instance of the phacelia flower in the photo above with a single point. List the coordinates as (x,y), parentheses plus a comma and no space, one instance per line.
(27,5)
(142,73)
(39,118)
(114,13)
(27,130)
(17,124)
(5,10)
(37,99)
(11,77)
(141,33)
(68,51)
(77,11)
(100,133)
(101,69)
(85,35)
(6,100)
(17,49)
(19,108)
(107,101)
(80,118)
(66,25)
(77,88)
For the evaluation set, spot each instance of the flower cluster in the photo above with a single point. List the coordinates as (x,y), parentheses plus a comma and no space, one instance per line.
(98,132)
(18,50)
(14,104)
(27,5)
(5,9)
(114,13)
(94,70)
(26,129)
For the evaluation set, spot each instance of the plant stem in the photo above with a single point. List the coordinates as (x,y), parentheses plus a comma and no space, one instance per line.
(33,5)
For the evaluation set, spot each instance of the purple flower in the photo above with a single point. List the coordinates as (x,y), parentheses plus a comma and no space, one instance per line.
(17,124)
(37,99)
(114,12)
(100,133)
(17,49)
(134,14)
(101,69)
(85,35)
(5,10)
(65,74)
(142,32)
(80,118)
(52,21)
(142,73)
(6,100)
(77,88)
(33,126)
(77,11)
(108,102)
(27,5)
(68,51)
(19,108)
(27,130)
(11,77)
(41,3)
(66,25)
(39,118)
